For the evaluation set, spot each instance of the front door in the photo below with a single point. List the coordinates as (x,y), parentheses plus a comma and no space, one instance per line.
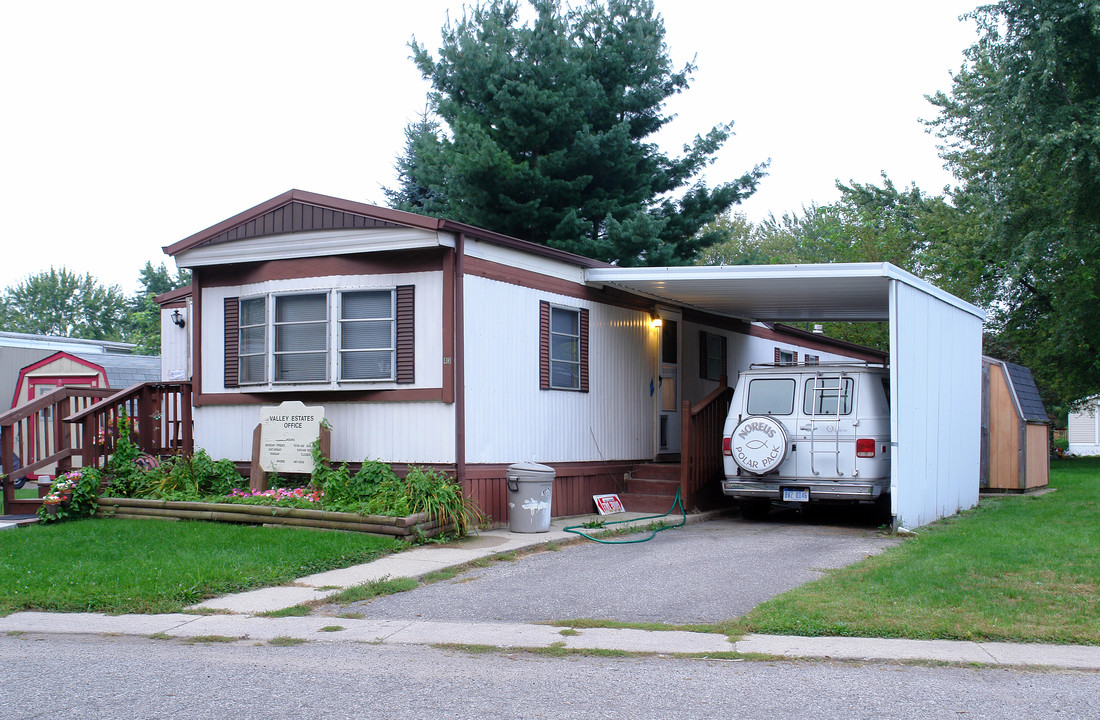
(668,380)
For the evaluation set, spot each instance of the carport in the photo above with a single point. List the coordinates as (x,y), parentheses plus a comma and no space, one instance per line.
(935,356)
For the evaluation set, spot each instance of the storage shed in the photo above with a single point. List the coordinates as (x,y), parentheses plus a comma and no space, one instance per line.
(1084,429)
(1015,433)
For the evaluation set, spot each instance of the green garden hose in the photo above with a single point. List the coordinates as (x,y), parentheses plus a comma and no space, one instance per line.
(652,533)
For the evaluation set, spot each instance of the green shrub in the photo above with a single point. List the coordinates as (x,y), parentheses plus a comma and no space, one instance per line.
(1061,444)
(82,486)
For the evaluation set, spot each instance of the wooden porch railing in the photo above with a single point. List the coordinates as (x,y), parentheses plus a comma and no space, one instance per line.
(701,446)
(160,421)
(39,434)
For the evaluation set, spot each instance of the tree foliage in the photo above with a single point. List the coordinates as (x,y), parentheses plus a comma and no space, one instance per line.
(545,131)
(143,318)
(1021,131)
(62,303)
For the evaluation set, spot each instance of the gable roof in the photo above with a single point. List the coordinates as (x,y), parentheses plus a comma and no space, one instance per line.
(124,371)
(302,211)
(1023,387)
(1027,392)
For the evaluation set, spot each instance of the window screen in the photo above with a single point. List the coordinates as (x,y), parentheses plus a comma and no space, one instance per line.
(301,338)
(565,348)
(252,341)
(366,335)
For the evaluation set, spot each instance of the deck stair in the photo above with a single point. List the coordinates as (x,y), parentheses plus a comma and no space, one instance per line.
(651,488)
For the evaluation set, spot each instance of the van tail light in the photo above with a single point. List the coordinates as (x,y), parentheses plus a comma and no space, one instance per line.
(865,448)
(726,447)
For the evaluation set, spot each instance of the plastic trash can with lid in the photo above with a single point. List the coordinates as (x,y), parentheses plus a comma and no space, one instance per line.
(530,486)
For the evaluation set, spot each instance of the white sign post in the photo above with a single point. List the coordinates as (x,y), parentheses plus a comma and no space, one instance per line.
(283,441)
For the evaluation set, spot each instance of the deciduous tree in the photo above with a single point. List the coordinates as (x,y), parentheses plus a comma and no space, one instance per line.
(1021,131)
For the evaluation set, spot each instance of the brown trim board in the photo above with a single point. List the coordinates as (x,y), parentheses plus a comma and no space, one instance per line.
(409,261)
(322,396)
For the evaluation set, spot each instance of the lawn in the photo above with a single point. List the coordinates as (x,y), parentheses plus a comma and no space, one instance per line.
(1016,568)
(150,566)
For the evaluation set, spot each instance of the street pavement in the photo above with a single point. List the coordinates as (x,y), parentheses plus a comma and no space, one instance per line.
(713,569)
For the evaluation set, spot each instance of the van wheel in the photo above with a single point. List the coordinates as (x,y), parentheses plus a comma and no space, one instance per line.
(755,509)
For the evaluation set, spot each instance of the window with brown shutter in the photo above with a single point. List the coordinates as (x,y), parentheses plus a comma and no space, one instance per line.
(563,347)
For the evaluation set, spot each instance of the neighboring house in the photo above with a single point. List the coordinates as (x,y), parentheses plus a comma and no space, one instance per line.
(99,371)
(1083,429)
(65,369)
(18,350)
(434,342)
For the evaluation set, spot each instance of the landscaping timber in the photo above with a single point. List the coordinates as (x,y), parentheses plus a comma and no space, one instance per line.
(407,528)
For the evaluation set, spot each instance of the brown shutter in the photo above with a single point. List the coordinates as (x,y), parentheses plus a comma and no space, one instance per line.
(232,340)
(777,356)
(544,345)
(405,332)
(584,350)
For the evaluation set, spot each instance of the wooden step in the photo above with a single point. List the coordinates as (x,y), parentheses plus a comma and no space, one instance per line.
(657,471)
(652,504)
(646,486)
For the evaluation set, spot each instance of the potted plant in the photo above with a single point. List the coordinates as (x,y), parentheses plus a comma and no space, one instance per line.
(51,503)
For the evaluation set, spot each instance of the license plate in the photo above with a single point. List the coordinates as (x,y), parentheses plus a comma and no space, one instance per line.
(796,495)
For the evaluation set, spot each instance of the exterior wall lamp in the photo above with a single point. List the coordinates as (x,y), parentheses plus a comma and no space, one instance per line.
(177,319)
(655,321)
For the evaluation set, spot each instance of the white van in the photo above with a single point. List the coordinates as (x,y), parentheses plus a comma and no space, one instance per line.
(808,434)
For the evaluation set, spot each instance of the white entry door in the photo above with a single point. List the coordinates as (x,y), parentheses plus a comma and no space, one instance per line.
(668,379)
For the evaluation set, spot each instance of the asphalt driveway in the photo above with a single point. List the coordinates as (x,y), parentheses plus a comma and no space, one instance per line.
(700,573)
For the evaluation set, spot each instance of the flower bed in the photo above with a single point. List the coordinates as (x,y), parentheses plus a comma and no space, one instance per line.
(410,527)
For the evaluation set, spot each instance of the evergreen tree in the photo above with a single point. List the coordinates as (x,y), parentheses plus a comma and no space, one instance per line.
(546,129)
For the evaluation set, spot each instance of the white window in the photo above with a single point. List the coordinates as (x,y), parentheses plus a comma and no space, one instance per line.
(301,332)
(289,338)
(366,335)
(252,341)
(565,348)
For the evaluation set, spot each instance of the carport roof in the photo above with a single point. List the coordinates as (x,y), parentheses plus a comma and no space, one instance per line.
(773,293)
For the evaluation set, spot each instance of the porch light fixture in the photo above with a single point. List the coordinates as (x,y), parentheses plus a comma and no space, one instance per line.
(655,321)
(177,319)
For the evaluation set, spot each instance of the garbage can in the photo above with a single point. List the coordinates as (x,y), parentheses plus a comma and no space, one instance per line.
(529,491)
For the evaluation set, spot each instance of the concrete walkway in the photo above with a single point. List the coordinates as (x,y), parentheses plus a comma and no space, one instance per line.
(237,618)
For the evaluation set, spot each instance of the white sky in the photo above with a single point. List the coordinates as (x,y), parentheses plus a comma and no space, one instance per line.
(128,125)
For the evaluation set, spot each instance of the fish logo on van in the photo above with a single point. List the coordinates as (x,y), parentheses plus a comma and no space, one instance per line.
(759,444)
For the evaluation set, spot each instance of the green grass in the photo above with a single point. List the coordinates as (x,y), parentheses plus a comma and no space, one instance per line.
(373,589)
(292,611)
(133,566)
(27,492)
(1017,568)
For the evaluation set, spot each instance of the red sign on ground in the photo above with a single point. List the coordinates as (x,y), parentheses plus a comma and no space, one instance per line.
(608,504)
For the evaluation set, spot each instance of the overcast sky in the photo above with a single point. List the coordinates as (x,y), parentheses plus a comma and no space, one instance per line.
(126,126)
